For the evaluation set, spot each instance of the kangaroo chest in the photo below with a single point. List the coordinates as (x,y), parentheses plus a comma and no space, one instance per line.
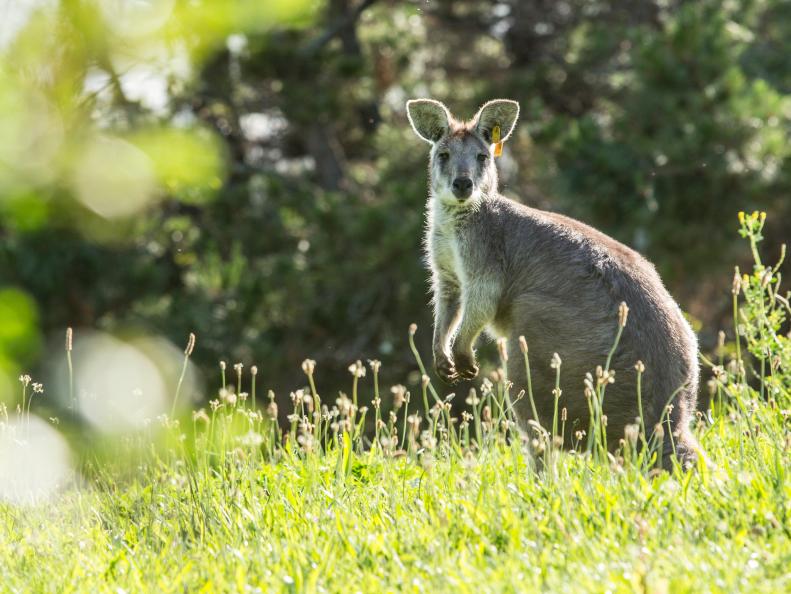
(450,256)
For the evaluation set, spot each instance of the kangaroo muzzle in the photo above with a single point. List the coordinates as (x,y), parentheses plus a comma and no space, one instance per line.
(462,187)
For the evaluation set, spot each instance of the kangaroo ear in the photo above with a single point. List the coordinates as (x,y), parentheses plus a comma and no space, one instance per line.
(430,119)
(498,112)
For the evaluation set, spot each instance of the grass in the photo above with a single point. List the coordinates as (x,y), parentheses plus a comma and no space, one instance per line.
(219,502)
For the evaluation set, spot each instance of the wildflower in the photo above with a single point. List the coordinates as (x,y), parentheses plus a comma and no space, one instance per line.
(237,367)
(412,329)
(243,396)
(25,379)
(251,439)
(607,377)
(377,402)
(427,461)
(557,392)
(357,369)
(344,405)
(604,420)
(564,413)
(200,415)
(414,423)
(424,381)
(399,395)
(38,388)
(215,404)
(222,365)
(271,410)
(375,365)
(523,345)
(486,386)
(498,376)
(556,361)
(308,366)
(69,334)
(502,346)
(363,409)
(538,446)
(639,367)
(306,441)
(254,371)
(623,314)
(305,426)
(579,435)
(388,443)
(486,414)
(190,344)
(631,433)
(427,440)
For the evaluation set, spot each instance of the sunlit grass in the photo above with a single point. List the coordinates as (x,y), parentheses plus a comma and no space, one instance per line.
(400,496)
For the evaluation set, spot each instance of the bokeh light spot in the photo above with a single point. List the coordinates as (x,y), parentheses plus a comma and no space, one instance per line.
(114,178)
(118,386)
(35,461)
(135,18)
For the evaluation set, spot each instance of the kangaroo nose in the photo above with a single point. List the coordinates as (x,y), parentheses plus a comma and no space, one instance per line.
(462,187)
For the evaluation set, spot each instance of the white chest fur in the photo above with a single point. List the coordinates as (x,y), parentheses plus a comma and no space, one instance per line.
(443,245)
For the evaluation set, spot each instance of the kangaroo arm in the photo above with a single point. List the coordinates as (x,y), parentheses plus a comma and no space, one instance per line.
(447,314)
(479,310)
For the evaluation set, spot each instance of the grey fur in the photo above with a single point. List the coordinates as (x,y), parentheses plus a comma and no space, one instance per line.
(499,266)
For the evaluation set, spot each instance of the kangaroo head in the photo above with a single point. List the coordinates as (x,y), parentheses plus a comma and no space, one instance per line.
(462,170)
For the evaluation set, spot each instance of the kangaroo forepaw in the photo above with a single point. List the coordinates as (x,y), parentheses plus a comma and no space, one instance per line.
(466,366)
(446,370)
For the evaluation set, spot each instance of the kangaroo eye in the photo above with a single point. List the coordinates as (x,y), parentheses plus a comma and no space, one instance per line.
(443,156)
(482,157)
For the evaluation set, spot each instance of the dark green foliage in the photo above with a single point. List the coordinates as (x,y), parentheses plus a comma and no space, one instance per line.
(653,121)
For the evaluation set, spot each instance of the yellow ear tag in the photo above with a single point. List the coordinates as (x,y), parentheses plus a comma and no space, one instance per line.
(498,145)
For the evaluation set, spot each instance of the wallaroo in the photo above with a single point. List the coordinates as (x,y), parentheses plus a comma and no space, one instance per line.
(501,267)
